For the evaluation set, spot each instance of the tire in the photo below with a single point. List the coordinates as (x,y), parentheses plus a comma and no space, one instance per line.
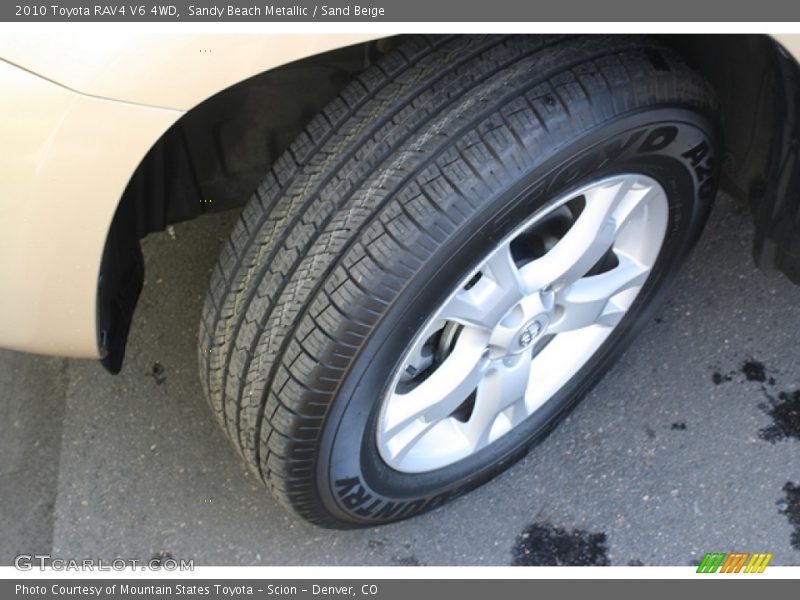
(390,204)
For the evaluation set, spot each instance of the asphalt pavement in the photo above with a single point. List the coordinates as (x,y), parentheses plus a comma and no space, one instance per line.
(690,444)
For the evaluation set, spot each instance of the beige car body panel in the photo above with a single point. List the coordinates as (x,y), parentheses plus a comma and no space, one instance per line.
(78,115)
(791,42)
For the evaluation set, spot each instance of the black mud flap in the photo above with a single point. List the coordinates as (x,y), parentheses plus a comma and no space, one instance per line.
(163,190)
(119,285)
(775,202)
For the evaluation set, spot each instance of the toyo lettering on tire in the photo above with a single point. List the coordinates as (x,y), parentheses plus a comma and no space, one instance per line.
(447,259)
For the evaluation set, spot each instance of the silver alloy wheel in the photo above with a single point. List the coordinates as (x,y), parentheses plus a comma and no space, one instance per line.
(522,325)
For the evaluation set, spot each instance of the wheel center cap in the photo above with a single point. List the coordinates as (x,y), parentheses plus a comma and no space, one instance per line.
(521,326)
(529,333)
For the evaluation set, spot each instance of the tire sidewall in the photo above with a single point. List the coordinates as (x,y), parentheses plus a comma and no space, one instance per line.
(674,146)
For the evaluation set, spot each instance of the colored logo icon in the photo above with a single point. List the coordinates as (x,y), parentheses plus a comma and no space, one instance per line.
(734,562)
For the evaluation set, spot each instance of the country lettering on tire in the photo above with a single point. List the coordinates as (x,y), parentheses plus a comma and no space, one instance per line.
(356,499)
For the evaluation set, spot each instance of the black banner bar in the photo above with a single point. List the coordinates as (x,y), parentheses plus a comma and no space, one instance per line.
(386,11)
(390,589)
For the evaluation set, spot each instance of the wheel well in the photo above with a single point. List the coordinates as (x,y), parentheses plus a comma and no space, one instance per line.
(216,154)
(743,70)
(758,86)
(210,160)
(213,157)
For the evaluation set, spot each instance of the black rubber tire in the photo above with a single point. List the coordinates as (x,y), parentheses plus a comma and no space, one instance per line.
(424,160)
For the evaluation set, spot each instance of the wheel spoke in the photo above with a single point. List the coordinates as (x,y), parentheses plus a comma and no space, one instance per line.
(485,303)
(502,269)
(441,393)
(588,301)
(607,209)
(405,438)
(503,386)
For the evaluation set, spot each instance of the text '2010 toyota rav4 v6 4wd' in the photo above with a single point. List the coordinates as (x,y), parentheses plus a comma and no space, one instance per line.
(444,241)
